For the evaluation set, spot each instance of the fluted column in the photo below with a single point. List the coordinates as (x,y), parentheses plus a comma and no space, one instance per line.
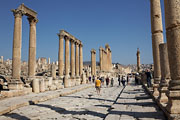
(72,59)
(61,55)
(157,38)
(32,47)
(80,59)
(77,59)
(138,60)
(172,19)
(165,73)
(17,38)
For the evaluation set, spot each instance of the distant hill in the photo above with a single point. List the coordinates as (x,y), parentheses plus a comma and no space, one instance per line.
(89,63)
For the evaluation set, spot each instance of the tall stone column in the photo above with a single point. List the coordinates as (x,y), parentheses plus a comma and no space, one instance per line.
(100,58)
(110,60)
(61,56)
(16,58)
(172,18)
(32,47)
(72,59)
(77,59)
(80,59)
(138,60)
(157,38)
(92,62)
(66,81)
(165,73)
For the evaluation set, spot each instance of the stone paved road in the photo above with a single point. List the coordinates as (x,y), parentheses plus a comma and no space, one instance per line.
(133,104)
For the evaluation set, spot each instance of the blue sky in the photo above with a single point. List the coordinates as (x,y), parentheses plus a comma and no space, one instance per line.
(123,24)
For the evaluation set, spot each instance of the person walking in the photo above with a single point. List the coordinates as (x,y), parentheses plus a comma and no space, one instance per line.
(98,86)
(127,79)
(149,77)
(107,81)
(93,79)
(123,80)
(119,80)
(112,82)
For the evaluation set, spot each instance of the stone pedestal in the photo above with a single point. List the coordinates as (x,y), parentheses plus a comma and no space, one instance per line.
(73,81)
(78,81)
(41,85)
(15,84)
(35,85)
(83,78)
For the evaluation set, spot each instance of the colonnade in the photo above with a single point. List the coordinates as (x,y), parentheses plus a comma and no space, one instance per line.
(73,65)
(166,56)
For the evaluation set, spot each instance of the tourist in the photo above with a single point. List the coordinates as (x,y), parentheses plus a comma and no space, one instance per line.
(123,80)
(90,79)
(102,81)
(107,81)
(136,79)
(98,85)
(149,77)
(127,79)
(112,82)
(93,78)
(119,80)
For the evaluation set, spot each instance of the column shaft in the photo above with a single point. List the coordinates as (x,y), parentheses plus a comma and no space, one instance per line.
(80,59)
(165,73)
(157,38)
(67,56)
(32,47)
(16,57)
(72,59)
(100,58)
(61,55)
(172,18)
(77,59)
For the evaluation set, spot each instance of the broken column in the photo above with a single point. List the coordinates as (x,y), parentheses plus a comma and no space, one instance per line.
(157,38)
(165,73)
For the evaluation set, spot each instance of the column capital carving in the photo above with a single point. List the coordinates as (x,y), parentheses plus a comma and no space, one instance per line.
(80,45)
(32,20)
(72,40)
(66,38)
(18,13)
(60,35)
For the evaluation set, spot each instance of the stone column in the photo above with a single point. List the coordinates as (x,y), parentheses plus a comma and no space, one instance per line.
(172,18)
(53,71)
(2,60)
(165,73)
(110,60)
(157,38)
(66,81)
(100,58)
(93,62)
(138,60)
(72,59)
(16,58)
(80,59)
(32,47)
(49,61)
(77,59)
(61,56)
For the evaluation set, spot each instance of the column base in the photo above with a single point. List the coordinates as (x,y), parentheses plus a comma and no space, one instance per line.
(78,81)
(162,95)
(66,82)
(15,84)
(174,102)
